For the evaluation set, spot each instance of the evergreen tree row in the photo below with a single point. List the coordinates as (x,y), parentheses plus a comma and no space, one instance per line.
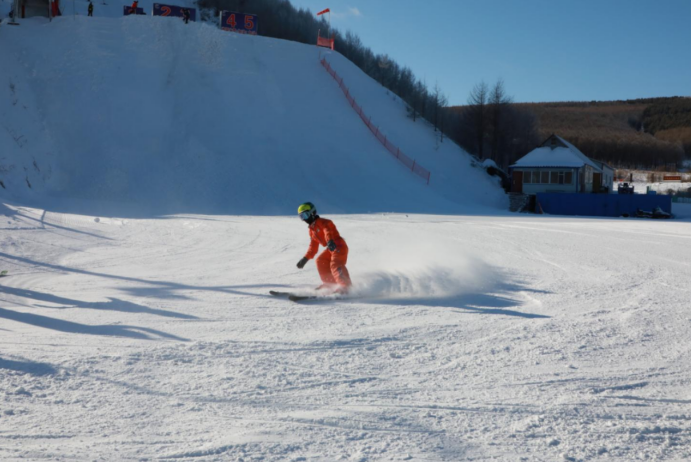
(490,125)
(280,19)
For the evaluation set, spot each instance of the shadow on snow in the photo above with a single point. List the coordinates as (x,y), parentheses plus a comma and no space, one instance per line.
(113,304)
(27,367)
(134,332)
(159,289)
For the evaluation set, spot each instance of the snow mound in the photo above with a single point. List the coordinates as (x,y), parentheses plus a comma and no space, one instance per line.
(176,118)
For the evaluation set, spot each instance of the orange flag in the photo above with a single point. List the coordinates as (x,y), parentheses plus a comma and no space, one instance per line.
(324,11)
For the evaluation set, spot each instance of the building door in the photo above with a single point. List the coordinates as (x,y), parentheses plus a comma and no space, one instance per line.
(517,185)
(597,182)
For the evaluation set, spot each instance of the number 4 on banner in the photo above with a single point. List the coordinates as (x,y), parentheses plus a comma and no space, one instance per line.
(231,21)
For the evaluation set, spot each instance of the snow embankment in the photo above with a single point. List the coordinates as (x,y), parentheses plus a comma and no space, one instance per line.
(181,118)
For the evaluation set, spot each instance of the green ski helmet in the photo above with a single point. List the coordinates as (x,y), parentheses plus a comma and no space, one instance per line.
(307,211)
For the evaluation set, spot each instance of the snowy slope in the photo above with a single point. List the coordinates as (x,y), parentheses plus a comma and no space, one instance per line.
(417,139)
(183,118)
(477,338)
(26,148)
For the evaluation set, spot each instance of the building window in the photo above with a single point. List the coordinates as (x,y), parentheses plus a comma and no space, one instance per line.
(554,177)
(544,177)
(536,177)
(527,177)
(568,178)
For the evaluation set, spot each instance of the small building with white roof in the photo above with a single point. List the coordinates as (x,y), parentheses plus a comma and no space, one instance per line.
(556,166)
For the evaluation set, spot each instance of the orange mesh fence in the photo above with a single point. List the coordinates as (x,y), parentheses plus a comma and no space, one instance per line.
(392,148)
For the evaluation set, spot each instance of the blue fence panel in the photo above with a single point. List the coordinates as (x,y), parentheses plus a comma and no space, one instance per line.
(601,205)
(127,10)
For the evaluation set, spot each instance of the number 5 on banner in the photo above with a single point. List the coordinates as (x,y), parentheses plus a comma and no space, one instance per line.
(166,11)
(249,22)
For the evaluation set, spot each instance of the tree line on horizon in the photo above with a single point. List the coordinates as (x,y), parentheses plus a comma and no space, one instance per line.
(650,133)
(491,125)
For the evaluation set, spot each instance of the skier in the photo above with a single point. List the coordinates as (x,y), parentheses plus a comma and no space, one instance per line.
(331,263)
(186,15)
(91,8)
(133,8)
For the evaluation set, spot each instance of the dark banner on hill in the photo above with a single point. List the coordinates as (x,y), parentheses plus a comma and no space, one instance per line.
(239,22)
(128,11)
(171,10)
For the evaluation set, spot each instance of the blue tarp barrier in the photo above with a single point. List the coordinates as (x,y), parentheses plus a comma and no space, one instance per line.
(601,205)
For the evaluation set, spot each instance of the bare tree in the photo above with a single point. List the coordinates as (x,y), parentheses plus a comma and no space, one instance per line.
(442,101)
(438,101)
(498,108)
(477,112)
(491,121)
(435,103)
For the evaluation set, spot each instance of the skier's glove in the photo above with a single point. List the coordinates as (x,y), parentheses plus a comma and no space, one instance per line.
(331,245)
(303,261)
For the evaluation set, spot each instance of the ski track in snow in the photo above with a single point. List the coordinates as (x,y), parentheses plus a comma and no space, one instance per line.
(478,338)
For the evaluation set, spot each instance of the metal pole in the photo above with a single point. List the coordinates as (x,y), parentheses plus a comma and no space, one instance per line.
(15,12)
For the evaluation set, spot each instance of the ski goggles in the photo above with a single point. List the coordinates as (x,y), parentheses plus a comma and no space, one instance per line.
(305,215)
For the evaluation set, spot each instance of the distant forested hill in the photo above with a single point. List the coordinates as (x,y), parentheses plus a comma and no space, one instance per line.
(647,133)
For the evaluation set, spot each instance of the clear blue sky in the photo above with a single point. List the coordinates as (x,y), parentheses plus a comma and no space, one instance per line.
(545,50)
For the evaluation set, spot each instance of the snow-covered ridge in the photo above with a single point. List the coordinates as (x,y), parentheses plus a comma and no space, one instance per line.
(190,118)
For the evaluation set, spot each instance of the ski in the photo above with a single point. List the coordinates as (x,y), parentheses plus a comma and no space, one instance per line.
(301,298)
(293,297)
(277,293)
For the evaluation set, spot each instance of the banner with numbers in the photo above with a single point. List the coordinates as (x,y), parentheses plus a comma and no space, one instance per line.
(239,22)
(171,10)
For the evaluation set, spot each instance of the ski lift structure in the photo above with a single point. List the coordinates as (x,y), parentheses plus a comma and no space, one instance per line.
(325,42)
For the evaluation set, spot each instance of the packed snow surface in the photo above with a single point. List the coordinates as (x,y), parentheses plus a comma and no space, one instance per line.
(478,338)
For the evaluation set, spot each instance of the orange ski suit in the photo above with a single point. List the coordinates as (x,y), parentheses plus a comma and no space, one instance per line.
(331,265)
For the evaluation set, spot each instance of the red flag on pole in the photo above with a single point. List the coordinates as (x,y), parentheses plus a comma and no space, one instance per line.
(324,11)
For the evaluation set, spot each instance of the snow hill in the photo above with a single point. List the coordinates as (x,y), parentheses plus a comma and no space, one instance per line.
(180,118)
